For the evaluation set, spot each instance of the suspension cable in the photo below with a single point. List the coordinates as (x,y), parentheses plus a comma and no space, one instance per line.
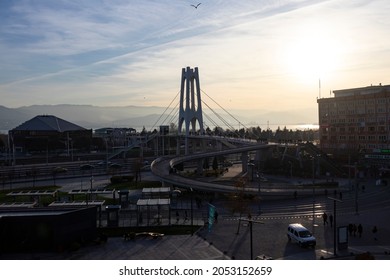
(165,110)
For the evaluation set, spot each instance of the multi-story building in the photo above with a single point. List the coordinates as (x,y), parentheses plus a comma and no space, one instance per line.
(356,122)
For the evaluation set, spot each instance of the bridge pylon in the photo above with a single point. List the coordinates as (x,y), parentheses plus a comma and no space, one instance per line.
(190,104)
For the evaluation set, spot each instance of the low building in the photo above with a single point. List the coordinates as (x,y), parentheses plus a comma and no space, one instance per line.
(49,134)
(44,229)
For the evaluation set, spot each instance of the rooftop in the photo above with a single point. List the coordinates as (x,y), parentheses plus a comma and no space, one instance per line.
(48,123)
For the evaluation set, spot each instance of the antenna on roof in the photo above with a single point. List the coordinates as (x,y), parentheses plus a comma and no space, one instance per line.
(319,88)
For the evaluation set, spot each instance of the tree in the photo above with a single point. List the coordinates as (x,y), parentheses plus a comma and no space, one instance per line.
(240,201)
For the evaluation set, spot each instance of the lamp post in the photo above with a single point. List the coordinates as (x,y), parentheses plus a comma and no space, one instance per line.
(316,157)
(334,223)
(250,221)
(259,191)
(192,212)
(356,190)
(314,200)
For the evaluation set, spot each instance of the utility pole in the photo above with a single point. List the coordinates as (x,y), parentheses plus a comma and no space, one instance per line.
(250,222)
(334,223)
(356,190)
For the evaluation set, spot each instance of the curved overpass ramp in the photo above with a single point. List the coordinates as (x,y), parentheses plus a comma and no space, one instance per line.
(161,168)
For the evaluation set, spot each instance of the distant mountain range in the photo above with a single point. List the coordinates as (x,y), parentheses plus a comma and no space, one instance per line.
(137,117)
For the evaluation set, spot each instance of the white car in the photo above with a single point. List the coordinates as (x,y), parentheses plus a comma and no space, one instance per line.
(298,233)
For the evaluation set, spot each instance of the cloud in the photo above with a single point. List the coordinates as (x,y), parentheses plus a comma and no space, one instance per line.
(132,52)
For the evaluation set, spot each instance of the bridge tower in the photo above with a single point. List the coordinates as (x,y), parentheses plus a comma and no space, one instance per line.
(190,104)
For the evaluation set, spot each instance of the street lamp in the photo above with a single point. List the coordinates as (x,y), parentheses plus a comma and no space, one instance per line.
(259,191)
(314,199)
(356,190)
(250,221)
(192,212)
(314,195)
(334,222)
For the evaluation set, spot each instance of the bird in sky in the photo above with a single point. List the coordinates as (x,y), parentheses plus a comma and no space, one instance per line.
(196,6)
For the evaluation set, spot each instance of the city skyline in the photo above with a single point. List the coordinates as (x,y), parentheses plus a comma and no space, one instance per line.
(266,56)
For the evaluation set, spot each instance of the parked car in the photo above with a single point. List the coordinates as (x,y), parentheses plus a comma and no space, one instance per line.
(301,235)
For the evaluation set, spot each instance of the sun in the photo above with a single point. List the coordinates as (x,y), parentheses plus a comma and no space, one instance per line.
(311,55)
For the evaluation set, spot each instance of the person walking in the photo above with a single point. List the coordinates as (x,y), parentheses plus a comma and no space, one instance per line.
(350,229)
(325,218)
(360,230)
(374,231)
(354,229)
(331,220)
(216,217)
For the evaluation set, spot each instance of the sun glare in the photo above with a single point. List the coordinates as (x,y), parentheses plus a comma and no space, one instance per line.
(311,55)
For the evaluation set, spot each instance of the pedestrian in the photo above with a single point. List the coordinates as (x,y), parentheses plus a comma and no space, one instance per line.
(360,230)
(331,220)
(325,218)
(374,231)
(350,229)
(354,229)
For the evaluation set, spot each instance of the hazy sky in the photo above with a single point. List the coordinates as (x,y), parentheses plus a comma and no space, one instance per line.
(265,55)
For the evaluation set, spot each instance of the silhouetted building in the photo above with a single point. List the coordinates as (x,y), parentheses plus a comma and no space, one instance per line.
(45,229)
(49,134)
(356,122)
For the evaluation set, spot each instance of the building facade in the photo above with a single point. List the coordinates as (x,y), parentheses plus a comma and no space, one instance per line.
(356,123)
(47,134)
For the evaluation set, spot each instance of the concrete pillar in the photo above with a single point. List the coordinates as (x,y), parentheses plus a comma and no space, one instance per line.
(199,169)
(244,158)
(190,111)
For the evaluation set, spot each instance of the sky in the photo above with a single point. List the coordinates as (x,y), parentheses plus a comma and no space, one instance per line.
(260,55)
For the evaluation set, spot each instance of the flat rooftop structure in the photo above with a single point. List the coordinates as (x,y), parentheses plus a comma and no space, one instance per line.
(17,205)
(362,90)
(153,201)
(40,229)
(150,192)
(28,212)
(92,191)
(77,203)
(32,193)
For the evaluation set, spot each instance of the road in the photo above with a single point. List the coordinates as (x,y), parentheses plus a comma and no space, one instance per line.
(270,238)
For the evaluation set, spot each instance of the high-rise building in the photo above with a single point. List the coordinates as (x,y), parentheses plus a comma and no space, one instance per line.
(356,122)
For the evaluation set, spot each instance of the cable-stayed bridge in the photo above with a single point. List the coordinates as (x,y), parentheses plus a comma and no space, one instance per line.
(182,137)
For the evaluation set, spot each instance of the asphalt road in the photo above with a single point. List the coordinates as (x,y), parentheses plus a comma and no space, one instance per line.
(232,238)
(269,237)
